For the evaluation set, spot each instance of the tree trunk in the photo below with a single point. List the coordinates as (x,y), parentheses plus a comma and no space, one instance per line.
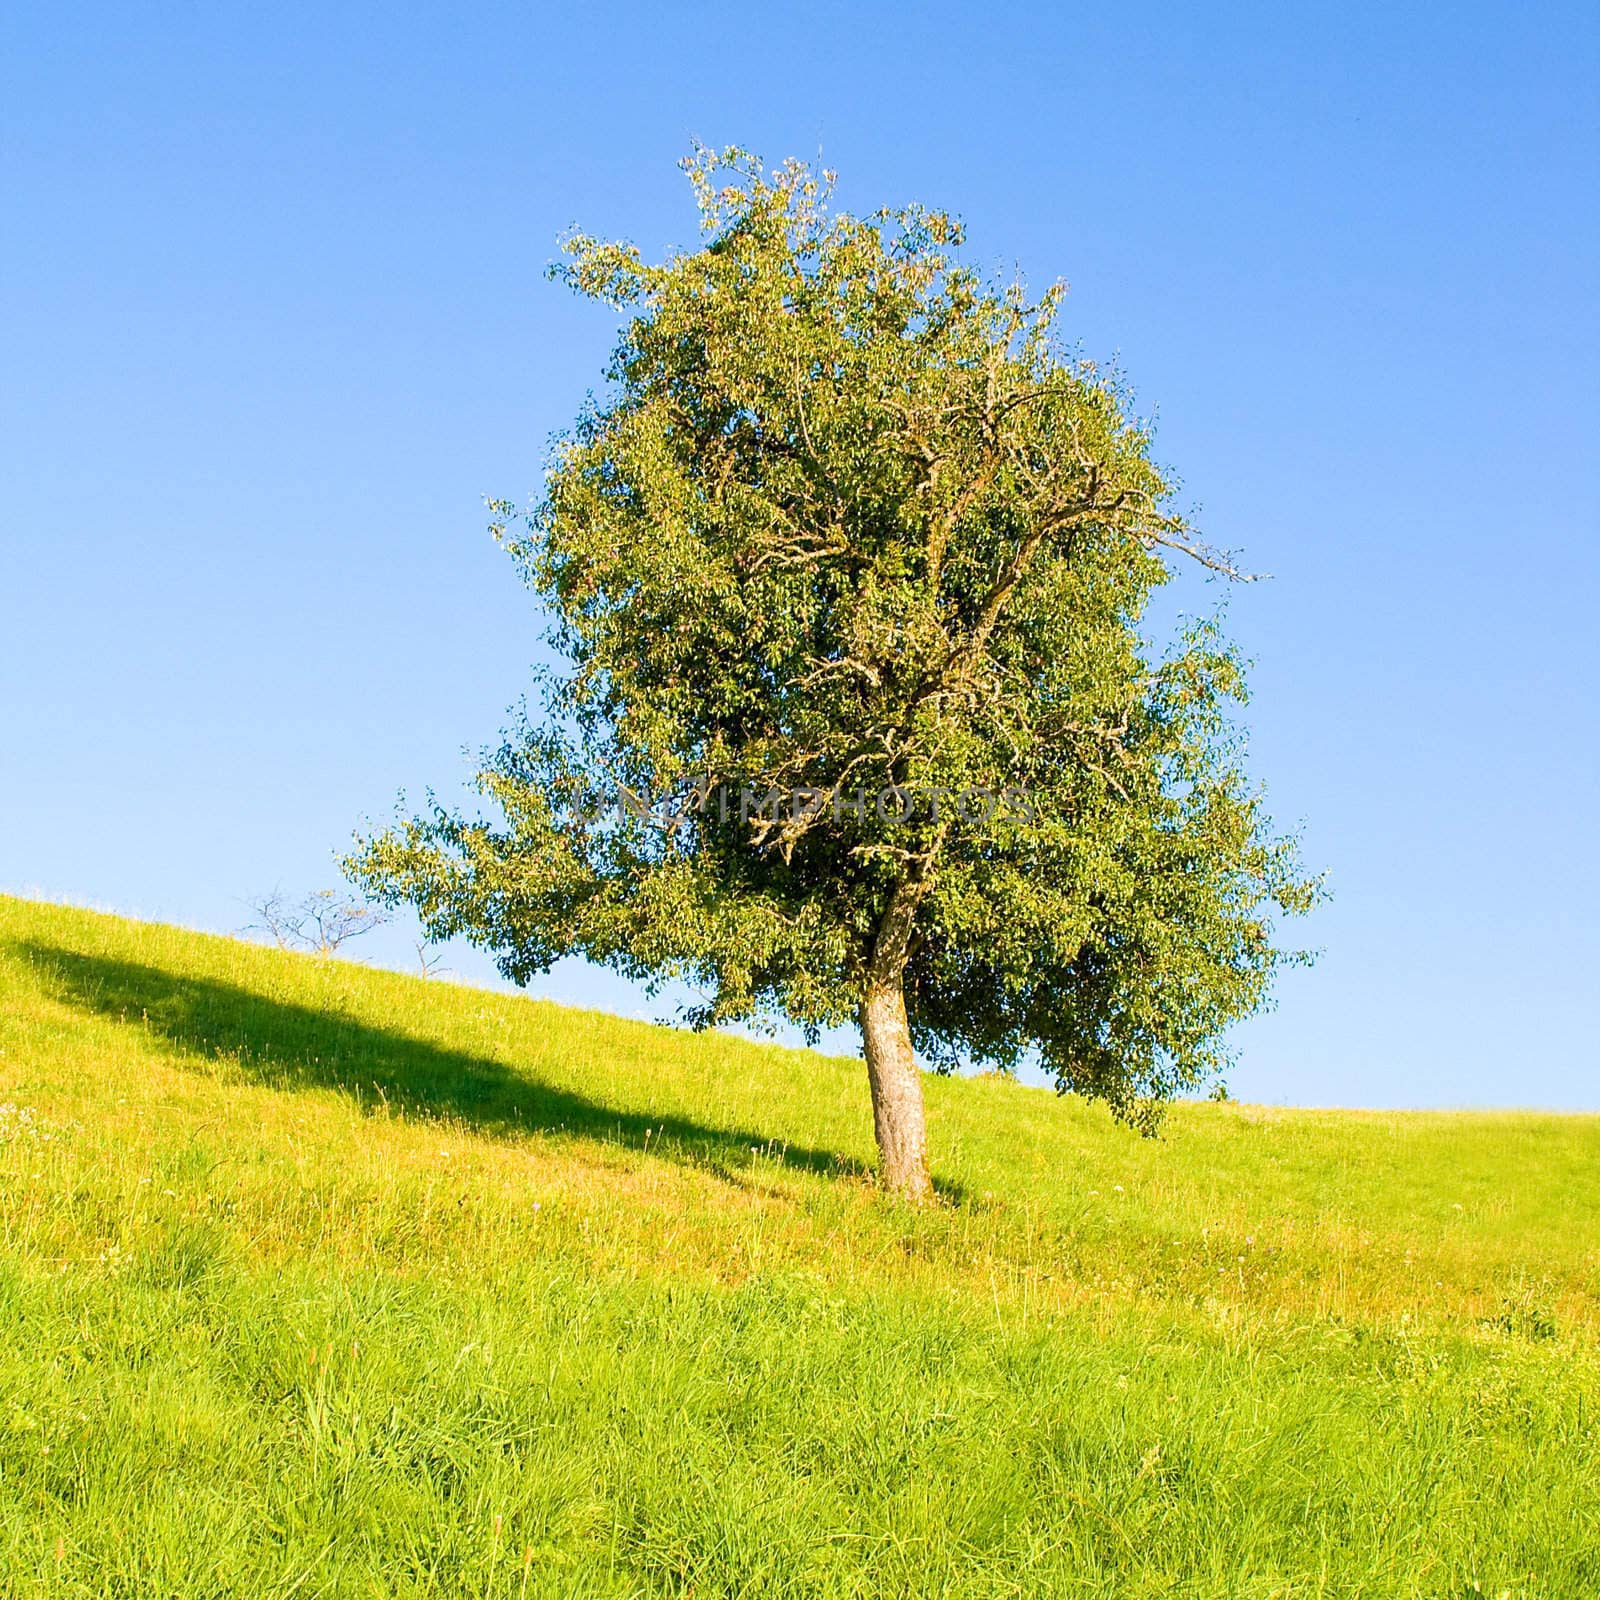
(896,1090)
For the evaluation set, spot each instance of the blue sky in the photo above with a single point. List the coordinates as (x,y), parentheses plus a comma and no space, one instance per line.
(275,321)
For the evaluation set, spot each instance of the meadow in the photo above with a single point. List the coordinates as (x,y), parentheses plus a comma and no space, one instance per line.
(317,1280)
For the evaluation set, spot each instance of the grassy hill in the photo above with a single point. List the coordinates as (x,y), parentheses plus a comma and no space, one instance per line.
(318,1280)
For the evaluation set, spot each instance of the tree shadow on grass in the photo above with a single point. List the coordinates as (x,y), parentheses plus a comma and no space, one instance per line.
(286,1046)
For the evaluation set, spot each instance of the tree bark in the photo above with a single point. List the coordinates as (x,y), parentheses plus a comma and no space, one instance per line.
(896,1089)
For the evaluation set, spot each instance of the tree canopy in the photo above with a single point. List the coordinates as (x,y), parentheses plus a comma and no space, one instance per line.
(848,565)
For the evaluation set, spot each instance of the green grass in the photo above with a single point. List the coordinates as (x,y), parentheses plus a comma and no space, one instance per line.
(318,1280)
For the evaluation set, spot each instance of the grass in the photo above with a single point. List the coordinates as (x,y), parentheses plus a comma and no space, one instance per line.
(318,1280)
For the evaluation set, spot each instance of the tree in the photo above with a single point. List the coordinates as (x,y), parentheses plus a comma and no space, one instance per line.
(847,570)
(430,962)
(319,922)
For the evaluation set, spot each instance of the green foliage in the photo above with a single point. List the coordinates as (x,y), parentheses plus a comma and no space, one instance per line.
(850,520)
(316,1280)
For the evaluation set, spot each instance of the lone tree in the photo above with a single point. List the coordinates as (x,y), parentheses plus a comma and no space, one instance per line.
(848,567)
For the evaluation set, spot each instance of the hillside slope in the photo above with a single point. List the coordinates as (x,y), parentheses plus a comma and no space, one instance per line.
(319,1280)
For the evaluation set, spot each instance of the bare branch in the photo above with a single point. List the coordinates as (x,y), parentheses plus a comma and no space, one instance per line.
(320,922)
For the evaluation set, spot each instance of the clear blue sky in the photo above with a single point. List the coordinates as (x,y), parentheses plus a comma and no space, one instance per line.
(275,321)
